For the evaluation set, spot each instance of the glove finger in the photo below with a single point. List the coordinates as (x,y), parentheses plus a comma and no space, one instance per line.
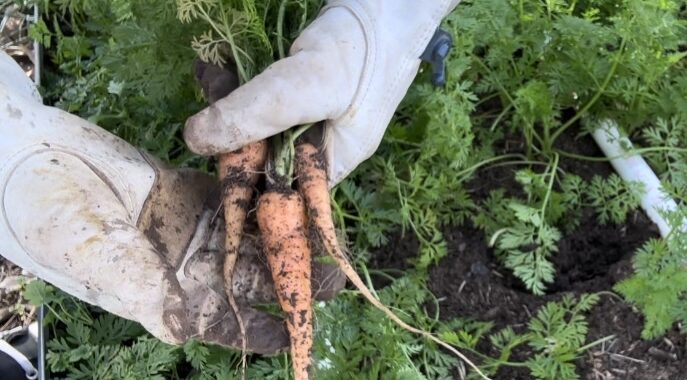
(216,82)
(252,280)
(265,334)
(288,93)
(327,279)
(211,319)
(348,146)
(317,82)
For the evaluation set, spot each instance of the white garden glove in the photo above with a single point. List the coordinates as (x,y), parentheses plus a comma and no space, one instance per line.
(350,67)
(92,215)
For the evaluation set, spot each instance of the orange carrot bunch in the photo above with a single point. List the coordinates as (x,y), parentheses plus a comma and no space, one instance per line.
(284,216)
(296,200)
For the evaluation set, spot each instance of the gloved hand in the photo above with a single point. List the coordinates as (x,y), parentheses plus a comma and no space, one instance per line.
(350,67)
(92,215)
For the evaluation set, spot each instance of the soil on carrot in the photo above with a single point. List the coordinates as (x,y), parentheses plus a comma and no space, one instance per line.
(471,283)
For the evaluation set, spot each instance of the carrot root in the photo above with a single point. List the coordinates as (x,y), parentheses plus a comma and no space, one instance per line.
(312,181)
(239,172)
(282,220)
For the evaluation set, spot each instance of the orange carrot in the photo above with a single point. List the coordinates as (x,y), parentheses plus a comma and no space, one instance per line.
(239,173)
(282,221)
(311,172)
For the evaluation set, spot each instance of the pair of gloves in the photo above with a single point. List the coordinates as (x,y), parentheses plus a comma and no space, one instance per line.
(111,225)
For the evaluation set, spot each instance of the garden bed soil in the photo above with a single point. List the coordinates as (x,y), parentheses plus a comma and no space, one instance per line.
(471,283)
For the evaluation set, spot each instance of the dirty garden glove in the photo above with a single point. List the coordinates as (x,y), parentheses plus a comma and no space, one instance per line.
(350,67)
(92,215)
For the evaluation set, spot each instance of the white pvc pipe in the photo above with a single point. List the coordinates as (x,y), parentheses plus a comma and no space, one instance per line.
(632,167)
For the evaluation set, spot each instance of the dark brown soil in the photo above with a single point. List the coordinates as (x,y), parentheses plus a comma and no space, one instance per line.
(471,283)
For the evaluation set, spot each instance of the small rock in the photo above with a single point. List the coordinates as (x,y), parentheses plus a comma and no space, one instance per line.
(492,313)
(659,354)
(479,269)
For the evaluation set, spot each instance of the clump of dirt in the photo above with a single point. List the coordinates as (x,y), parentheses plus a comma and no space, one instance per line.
(471,283)
(595,256)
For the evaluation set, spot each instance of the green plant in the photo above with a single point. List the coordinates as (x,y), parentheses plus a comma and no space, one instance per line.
(124,65)
(526,69)
(595,58)
(428,159)
(527,243)
(523,229)
(528,246)
(659,284)
(668,158)
(354,339)
(557,335)
(95,345)
(612,198)
(526,231)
